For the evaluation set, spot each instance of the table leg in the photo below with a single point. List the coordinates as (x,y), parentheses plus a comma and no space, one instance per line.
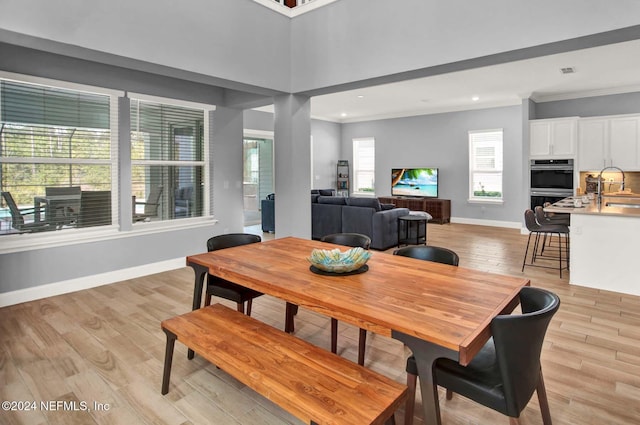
(426,354)
(200,273)
(168,358)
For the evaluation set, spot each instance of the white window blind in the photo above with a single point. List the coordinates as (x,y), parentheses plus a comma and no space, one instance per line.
(55,146)
(167,153)
(364,164)
(485,165)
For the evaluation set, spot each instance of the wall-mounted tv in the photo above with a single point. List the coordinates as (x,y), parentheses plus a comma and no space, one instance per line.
(414,182)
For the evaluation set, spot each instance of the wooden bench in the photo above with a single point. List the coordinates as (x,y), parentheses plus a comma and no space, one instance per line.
(312,384)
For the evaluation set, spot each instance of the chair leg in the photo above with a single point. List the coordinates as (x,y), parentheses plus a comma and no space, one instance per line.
(362,342)
(524,261)
(240,307)
(449,394)
(410,405)
(543,401)
(249,304)
(560,256)
(514,421)
(207,300)
(334,335)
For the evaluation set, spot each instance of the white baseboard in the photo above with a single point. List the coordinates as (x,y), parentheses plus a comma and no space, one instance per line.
(86,282)
(492,223)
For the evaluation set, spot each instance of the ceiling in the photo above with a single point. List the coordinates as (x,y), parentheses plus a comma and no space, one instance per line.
(602,70)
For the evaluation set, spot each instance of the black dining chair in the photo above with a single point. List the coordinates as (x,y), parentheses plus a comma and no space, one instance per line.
(353,240)
(223,288)
(436,254)
(505,373)
(429,253)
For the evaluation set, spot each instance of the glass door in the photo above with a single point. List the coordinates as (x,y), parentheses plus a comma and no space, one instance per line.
(257,176)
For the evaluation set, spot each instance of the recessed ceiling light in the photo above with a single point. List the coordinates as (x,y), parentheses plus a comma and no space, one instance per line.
(344,114)
(475,98)
(360,96)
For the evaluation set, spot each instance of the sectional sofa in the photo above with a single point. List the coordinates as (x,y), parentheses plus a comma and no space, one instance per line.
(335,214)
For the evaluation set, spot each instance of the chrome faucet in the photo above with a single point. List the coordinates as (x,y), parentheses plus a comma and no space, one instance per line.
(600,181)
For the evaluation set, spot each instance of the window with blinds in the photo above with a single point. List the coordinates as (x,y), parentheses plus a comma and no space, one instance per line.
(167,158)
(364,165)
(55,145)
(485,165)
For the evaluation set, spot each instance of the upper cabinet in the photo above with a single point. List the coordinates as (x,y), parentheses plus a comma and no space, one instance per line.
(553,138)
(609,141)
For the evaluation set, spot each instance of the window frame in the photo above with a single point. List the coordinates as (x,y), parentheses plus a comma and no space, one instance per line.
(206,204)
(27,241)
(356,169)
(497,170)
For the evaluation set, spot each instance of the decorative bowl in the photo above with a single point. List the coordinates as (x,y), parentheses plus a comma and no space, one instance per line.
(334,261)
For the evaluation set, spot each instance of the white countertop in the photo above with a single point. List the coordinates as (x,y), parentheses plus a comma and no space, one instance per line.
(611,205)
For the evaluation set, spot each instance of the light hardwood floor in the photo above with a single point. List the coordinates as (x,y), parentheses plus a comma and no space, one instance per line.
(105,345)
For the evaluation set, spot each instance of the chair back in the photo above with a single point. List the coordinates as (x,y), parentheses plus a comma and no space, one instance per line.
(153,201)
(518,342)
(353,240)
(541,217)
(61,191)
(95,208)
(65,209)
(429,253)
(230,240)
(17,220)
(530,221)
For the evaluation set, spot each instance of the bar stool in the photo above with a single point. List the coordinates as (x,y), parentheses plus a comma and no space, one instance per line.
(545,230)
(543,218)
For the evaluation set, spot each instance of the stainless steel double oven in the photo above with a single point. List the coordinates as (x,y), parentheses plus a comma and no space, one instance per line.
(551,180)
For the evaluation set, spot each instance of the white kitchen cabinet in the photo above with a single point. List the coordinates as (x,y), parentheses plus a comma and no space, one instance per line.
(553,138)
(605,142)
(624,142)
(592,143)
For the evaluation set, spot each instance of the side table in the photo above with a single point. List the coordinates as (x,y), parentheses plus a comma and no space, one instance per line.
(406,223)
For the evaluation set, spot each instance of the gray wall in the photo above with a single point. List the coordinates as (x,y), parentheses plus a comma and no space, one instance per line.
(225,39)
(441,140)
(626,103)
(326,151)
(355,40)
(37,267)
(326,145)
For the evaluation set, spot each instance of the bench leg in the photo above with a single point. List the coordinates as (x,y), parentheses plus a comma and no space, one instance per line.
(168,358)
(200,274)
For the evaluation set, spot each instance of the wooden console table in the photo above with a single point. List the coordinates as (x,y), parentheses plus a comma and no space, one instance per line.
(440,209)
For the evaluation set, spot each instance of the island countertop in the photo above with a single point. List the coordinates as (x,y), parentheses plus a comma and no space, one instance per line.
(611,205)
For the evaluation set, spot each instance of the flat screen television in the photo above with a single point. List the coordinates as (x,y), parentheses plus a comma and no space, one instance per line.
(414,182)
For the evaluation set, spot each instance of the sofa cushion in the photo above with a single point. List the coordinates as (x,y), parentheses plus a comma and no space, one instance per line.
(387,206)
(326,192)
(271,196)
(335,200)
(314,198)
(364,202)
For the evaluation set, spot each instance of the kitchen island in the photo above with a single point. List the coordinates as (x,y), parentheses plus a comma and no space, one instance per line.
(605,242)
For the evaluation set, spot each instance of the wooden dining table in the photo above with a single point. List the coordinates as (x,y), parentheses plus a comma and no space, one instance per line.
(437,310)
